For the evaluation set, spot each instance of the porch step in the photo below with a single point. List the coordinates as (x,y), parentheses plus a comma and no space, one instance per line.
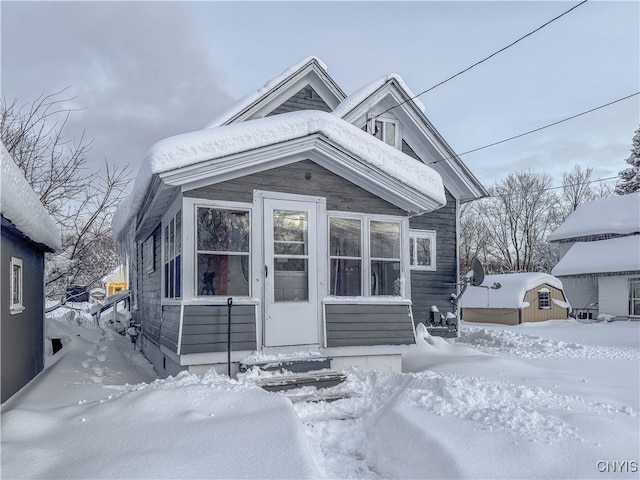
(319,380)
(294,365)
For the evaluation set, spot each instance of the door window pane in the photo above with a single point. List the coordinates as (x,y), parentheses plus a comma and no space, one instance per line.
(290,262)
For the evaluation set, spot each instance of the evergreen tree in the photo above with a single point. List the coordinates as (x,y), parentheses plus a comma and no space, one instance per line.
(630,177)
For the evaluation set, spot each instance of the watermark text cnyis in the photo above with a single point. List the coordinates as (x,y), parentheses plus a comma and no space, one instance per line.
(616,466)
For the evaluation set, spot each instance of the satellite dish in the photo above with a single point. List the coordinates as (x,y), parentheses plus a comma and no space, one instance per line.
(478,272)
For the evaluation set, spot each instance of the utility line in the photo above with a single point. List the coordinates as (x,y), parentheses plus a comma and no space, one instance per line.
(537,129)
(486,58)
(554,188)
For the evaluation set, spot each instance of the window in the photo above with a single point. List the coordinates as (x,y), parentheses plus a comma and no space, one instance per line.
(222,251)
(422,249)
(345,256)
(384,249)
(634,296)
(368,268)
(544,299)
(172,256)
(385,130)
(16,286)
(148,254)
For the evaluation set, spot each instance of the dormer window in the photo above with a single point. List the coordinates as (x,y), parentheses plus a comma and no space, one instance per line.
(385,129)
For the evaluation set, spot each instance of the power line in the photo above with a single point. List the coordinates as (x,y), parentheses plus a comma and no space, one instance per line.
(554,188)
(537,129)
(486,58)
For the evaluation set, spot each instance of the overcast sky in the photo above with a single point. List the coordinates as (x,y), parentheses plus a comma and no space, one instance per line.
(145,71)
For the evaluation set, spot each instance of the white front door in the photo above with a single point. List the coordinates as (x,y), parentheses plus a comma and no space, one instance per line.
(291,263)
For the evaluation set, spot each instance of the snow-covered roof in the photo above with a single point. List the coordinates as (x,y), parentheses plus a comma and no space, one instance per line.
(604,256)
(20,205)
(618,214)
(365,92)
(210,144)
(511,294)
(253,97)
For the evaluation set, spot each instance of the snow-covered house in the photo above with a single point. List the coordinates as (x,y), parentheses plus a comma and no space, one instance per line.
(115,281)
(600,257)
(515,298)
(27,232)
(329,221)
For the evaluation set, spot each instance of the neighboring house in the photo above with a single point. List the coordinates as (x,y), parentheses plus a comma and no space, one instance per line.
(329,240)
(600,257)
(115,281)
(521,298)
(27,232)
(96,295)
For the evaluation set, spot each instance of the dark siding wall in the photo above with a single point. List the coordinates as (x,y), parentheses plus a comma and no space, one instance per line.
(22,334)
(300,101)
(149,292)
(205,327)
(353,325)
(170,327)
(340,194)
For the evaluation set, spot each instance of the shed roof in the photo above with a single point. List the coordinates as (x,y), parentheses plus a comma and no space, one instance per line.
(21,206)
(614,255)
(619,214)
(511,294)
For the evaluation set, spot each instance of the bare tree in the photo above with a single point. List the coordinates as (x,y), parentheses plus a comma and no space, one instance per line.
(80,200)
(474,237)
(518,217)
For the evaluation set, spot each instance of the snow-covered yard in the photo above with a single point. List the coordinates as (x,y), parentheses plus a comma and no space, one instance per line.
(558,399)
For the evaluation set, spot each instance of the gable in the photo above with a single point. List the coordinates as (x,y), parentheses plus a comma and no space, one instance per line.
(310,72)
(417,133)
(306,99)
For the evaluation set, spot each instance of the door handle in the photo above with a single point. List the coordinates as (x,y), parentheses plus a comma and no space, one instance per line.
(266,271)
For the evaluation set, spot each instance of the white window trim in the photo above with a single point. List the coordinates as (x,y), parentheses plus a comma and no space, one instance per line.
(365,249)
(431,235)
(371,126)
(189,251)
(16,307)
(171,213)
(149,254)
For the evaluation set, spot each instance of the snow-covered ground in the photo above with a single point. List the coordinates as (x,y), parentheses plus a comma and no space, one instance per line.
(558,399)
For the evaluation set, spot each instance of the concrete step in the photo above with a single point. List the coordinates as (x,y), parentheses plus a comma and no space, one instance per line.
(293,364)
(288,381)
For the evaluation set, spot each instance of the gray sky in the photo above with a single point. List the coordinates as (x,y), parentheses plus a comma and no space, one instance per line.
(145,71)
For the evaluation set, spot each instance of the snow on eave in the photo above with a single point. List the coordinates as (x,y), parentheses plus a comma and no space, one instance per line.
(205,145)
(21,206)
(619,214)
(511,294)
(362,94)
(253,97)
(613,255)
(363,99)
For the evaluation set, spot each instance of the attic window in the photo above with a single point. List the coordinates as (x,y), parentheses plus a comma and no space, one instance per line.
(544,299)
(308,93)
(384,129)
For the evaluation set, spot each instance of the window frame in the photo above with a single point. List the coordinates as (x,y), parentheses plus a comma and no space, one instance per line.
(365,249)
(149,254)
(16,307)
(194,257)
(544,303)
(415,234)
(168,221)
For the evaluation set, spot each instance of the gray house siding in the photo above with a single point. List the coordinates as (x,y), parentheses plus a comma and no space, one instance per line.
(435,287)
(353,325)
(205,327)
(149,292)
(22,334)
(340,193)
(305,99)
(170,327)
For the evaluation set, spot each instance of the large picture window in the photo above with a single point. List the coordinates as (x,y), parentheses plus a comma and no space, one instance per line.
(364,257)
(172,256)
(16,305)
(222,251)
